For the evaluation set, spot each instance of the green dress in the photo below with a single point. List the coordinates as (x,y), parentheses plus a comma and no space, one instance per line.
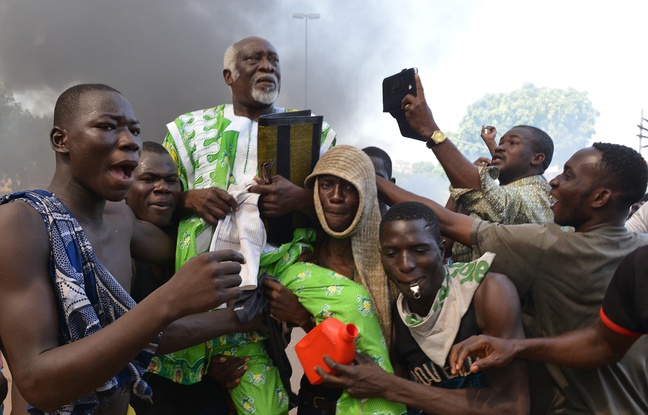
(325,293)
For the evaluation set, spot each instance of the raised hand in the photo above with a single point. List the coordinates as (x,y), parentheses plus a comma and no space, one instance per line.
(488,133)
(418,113)
(482,161)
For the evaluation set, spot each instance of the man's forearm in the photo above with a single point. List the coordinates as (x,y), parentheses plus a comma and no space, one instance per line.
(454,225)
(195,329)
(460,171)
(435,400)
(579,349)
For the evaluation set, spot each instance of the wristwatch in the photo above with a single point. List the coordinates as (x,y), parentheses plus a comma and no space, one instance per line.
(437,138)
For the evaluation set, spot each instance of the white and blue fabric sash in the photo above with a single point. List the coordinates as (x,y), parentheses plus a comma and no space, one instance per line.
(87,296)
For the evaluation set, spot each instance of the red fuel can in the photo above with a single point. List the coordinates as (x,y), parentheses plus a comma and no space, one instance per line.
(332,338)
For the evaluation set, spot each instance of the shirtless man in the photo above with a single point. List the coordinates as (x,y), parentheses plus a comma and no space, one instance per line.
(96,141)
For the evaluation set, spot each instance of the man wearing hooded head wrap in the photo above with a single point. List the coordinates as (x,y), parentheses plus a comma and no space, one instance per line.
(344,278)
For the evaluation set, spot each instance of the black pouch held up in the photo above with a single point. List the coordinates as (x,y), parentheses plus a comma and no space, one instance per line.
(395,88)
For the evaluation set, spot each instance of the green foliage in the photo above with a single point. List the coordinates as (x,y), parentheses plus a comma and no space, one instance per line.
(25,158)
(566,115)
(427,169)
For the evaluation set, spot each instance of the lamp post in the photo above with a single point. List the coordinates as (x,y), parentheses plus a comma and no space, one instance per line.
(306,17)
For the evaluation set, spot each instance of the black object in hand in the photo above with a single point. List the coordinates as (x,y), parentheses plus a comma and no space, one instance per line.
(395,88)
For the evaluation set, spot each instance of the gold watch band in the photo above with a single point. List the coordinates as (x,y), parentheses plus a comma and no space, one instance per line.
(437,138)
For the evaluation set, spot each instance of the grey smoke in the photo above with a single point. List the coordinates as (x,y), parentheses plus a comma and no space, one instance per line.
(166,56)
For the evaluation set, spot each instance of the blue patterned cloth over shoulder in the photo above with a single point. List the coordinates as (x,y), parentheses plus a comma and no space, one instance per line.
(87,296)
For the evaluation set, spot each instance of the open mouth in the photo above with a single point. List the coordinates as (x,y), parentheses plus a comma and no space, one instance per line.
(123,172)
(552,200)
(415,281)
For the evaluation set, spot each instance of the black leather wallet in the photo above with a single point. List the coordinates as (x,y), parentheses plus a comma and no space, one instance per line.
(395,88)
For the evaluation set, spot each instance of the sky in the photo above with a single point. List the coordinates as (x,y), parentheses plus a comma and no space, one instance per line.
(166,57)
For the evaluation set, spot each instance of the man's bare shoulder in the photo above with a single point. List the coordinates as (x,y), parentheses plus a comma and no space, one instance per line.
(24,254)
(18,218)
(494,287)
(118,214)
(496,280)
(118,208)
(498,306)
(24,236)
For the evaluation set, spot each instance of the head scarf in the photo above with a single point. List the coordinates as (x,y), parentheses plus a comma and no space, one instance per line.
(354,166)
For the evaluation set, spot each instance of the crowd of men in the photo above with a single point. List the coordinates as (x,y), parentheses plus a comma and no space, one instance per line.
(518,296)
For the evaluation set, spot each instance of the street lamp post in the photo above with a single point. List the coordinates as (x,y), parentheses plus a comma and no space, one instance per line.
(306,17)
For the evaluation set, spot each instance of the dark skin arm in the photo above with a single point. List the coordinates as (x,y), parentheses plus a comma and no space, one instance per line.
(151,244)
(49,375)
(603,346)
(285,306)
(498,311)
(228,370)
(461,172)
(198,328)
(454,225)
(447,242)
(488,133)
(277,198)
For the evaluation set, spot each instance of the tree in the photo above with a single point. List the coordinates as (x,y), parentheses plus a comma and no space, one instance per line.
(25,156)
(428,169)
(566,115)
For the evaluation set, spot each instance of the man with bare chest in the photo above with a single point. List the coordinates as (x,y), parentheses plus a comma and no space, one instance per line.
(74,340)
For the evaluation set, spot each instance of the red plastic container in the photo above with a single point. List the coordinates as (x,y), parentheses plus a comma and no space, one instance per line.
(332,338)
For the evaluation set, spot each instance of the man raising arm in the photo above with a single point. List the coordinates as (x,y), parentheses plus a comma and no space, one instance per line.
(508,189)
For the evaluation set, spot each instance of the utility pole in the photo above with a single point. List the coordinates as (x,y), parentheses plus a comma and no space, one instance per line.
(306,17)
(642,131)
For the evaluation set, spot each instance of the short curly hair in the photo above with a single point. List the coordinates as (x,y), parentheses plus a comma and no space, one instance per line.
(542,143)
(379,153)
(67,104)
(153,147)
(410,211)
(623,170)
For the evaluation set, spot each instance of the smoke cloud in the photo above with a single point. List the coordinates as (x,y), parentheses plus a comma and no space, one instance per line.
(166,56)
